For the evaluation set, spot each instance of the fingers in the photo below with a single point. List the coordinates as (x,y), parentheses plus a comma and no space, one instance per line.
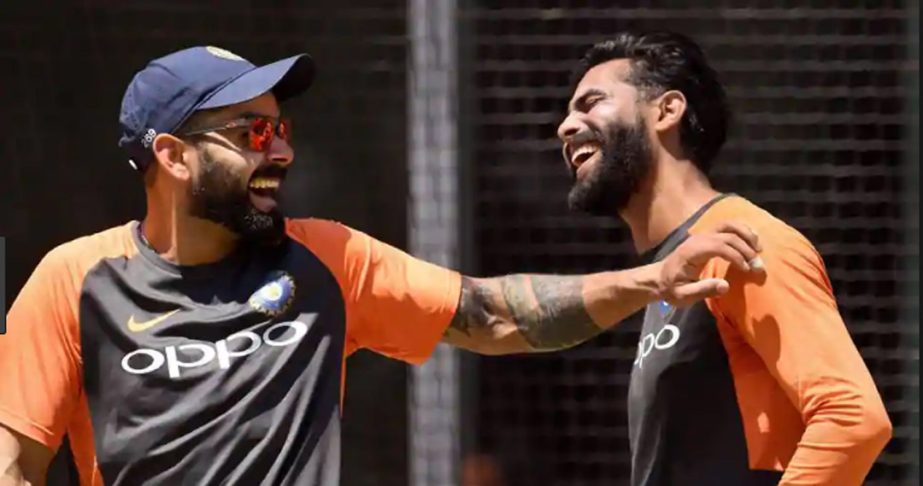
(744,240)
(733,242)
(743,231)
(718,247)
(741,246)
(696,291)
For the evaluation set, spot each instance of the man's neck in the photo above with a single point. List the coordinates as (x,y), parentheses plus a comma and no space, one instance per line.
(673,193)
(185,240)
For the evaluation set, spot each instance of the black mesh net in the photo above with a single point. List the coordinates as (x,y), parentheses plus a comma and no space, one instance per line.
(819,140)
(66,65)
(819,98)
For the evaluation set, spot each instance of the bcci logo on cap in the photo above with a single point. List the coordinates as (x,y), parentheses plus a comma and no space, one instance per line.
(223,53)
(276,295)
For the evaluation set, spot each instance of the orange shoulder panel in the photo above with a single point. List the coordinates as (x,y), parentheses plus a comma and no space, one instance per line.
(40,358)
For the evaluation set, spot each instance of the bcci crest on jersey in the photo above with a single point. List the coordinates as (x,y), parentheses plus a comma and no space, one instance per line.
(275,296)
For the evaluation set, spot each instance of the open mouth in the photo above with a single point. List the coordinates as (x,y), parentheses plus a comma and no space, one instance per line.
(581,154)
(264,192)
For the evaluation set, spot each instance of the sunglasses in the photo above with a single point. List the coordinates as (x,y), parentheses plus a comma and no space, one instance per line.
(261,130)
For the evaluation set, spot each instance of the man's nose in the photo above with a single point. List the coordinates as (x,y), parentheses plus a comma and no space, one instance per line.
(569,127)
(280,152)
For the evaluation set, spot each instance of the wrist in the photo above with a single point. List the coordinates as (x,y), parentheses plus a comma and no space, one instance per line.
(612,296)
(649,281)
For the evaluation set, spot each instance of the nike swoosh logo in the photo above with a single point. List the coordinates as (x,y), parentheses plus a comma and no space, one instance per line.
(135,326)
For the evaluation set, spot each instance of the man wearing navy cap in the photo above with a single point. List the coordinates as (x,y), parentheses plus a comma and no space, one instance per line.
(205,343)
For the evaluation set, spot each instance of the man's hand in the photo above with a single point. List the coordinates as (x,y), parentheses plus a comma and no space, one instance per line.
(527,313)
(679,272)
(23,461)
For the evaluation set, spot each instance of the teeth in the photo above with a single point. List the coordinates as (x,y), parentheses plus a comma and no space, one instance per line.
(584,149)
(264,183)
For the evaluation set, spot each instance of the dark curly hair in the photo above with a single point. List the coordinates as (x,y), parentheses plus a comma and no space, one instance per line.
(663,61)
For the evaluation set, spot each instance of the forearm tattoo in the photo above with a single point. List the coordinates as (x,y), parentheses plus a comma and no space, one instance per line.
(473,312)
(548,310)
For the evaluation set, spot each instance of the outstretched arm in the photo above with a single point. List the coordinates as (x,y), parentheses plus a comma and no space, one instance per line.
(536,313)
(23,461)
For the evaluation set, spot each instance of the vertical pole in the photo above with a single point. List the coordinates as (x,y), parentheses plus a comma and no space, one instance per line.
(435,402)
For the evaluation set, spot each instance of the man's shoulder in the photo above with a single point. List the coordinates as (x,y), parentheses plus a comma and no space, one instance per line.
(780,240)
(307,224)
(65,265)
(312,230)
(327,237)
(769,227)
(84,250)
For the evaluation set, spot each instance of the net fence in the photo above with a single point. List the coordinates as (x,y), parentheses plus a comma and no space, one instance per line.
(818,139)
(821,105)
(66,65)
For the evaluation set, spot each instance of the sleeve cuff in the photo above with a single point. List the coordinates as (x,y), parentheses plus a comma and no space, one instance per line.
(30,429)
(432,335)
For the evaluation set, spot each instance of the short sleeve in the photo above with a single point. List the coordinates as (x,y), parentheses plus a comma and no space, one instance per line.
(39,371)
(397,305)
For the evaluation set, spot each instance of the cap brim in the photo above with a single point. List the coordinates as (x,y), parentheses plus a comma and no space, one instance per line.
(286,78)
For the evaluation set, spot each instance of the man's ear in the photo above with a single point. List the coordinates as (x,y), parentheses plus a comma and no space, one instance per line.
(169,153)
(670,108)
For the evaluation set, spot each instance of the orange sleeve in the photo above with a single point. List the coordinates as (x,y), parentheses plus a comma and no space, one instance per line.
(790,318)
(39,354)
(397,305)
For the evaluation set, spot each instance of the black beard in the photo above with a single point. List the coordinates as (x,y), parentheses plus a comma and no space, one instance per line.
(624,163)
(218,195)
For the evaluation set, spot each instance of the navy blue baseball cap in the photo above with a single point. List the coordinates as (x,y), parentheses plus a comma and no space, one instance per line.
(163,95)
